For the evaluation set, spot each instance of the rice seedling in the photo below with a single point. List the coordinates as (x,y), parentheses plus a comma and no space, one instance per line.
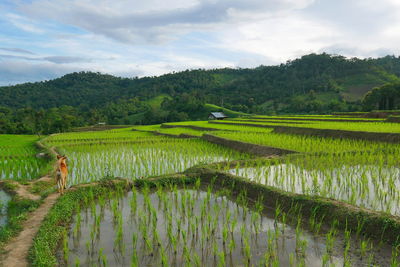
(18,159)
(367,126)
(166,155)
(169,230)
(308,144)
(362,179)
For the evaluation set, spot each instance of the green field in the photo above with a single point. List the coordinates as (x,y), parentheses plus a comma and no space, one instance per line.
(18,158)
(378,127)
(172,215)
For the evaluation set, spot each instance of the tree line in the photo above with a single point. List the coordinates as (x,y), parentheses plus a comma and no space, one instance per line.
(315,83)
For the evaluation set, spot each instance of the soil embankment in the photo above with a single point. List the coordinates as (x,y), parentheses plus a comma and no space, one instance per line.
(258,150)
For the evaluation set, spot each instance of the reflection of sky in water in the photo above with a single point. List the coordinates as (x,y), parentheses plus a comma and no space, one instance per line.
(4,199)
(132,161)
(363,185)
(258,241)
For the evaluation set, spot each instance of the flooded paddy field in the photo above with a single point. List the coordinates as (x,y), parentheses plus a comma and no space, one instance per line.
(201,226)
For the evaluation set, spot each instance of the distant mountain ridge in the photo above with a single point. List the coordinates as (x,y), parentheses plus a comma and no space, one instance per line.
(311,83)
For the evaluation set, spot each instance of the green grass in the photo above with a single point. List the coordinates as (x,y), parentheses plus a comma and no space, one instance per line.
(156,102)
(228,112)
(43,188)
(17,212)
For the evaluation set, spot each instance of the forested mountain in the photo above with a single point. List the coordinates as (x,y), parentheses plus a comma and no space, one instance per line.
(311,84)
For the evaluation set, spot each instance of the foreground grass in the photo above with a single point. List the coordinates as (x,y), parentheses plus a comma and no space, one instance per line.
(17,212)
(54,226)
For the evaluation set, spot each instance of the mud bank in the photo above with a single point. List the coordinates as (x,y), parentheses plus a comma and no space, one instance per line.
(258,150)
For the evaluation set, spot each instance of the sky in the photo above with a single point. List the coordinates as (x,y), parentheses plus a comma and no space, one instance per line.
(45,39)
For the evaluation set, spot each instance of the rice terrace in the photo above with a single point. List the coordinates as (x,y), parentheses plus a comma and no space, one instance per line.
(199,133)
(209,193)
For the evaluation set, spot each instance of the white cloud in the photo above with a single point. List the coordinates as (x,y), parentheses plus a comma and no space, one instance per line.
(23,23)
(156,21)
(153,37)
(279,38)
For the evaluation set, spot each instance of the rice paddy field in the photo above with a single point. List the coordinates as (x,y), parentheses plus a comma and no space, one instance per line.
(204,227)
(365,126)
(163,220)
(18,158)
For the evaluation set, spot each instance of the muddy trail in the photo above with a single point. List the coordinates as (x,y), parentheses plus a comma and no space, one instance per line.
(16,251)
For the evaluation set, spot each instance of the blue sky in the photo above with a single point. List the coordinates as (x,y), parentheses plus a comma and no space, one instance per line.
(44,39)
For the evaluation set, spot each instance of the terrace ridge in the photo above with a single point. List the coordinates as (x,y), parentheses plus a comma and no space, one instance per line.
(375,224)
(254,149)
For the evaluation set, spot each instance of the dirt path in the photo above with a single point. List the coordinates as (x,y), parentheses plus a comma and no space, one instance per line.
(23,192)
(16,251)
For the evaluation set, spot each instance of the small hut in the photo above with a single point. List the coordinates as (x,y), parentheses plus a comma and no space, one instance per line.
(217,116)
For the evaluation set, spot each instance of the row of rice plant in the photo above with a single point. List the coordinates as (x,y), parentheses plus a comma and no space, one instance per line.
(113,136)
(17,145)
(203,227)
(178,131)
(322,117)
(23,168)
(168,155)
(226,127)
(12,140)
(303,143)
(379,127)
(17,151)
(18,158)
(363,179)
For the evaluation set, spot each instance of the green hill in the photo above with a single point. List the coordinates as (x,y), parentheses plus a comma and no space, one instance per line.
(156,101)
(311,84)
